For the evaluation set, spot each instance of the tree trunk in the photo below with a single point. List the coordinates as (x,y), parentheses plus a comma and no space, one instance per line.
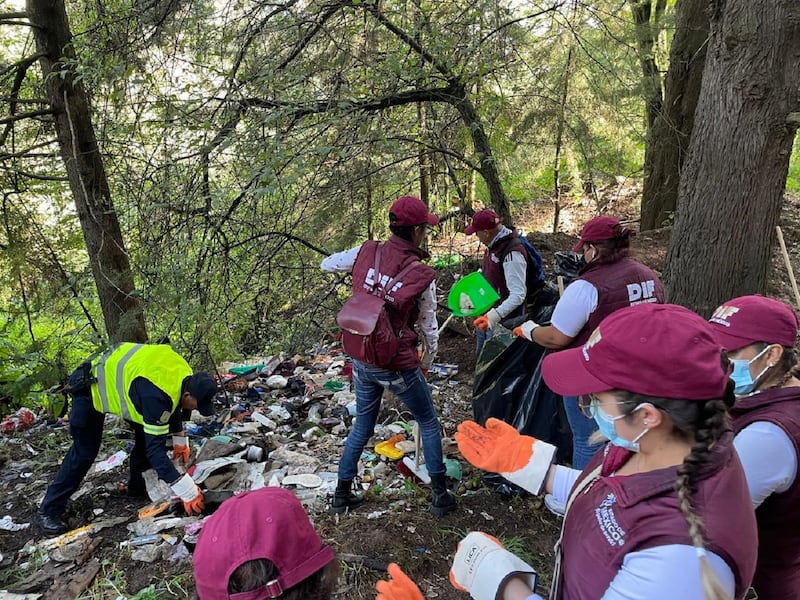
(483,150)
(562,117)
(424,156)
(646,34)
(122,310)
(668,140)
(735,174)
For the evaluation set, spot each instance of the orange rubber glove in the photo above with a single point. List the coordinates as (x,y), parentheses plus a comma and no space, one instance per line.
(191,495)
(180,448)
(482,323)
(196,506)
(399,586)
(499,448)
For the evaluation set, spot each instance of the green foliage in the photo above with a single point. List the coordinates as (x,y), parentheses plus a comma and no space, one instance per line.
(243,143)
(793,178)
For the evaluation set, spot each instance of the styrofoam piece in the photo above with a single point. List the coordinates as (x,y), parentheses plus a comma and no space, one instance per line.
(420,471)
(306,480)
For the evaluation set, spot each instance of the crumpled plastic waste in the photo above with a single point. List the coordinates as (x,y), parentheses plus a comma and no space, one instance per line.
(7,524)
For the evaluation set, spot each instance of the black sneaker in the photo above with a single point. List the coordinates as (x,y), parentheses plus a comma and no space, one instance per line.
(50,525)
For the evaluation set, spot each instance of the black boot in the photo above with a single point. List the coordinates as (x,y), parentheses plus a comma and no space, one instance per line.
(50,525)
(344,498)
(444,501)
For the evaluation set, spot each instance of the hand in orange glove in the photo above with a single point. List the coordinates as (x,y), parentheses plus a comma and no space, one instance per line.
(180,448)
(482,323)
(526,330)
(399,586)
(196,506)
(488,321)
(499,448)
(191,495)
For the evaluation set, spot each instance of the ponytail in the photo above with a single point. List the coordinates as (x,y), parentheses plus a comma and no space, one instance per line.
(710,425)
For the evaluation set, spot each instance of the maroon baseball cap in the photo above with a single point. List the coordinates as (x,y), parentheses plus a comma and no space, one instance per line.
(598,229)
(266,523)
(660,350)
(483,220)
(750,319)
(410,210)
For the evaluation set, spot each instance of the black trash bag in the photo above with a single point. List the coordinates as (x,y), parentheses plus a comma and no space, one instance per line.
(568,265)
(541,310)
(508,386)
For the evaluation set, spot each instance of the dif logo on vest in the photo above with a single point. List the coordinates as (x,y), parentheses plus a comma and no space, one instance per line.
(639,293)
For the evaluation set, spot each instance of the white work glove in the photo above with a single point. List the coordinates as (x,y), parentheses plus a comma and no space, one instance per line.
(526,330)
(427,360)
(186,489)
(482,566)
(493,317)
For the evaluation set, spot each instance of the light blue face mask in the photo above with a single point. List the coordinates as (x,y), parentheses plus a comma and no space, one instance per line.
(607,426)
(741,374)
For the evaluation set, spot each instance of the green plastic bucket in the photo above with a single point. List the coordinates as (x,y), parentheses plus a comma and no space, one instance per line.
(471,296)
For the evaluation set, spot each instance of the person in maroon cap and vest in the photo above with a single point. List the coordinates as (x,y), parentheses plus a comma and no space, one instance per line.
(413,302)
(663,512)
(611,280)
(759,335)
(260,545)
(510,270)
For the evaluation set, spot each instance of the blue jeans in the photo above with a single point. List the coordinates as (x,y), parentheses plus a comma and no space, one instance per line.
(480,339)
(582,427)
(412,389)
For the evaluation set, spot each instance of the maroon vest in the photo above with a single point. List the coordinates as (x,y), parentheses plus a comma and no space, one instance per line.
(613,516)
(619,284)
(492,268)
(778,569)
(401,303)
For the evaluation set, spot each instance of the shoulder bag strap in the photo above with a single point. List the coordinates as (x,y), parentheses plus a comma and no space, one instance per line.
(399,276)
(582,485)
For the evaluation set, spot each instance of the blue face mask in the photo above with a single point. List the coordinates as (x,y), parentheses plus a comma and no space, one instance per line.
(741,374)
(606,424)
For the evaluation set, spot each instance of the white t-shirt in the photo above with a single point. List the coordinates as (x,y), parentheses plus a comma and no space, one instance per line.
(574,308)
(769,459)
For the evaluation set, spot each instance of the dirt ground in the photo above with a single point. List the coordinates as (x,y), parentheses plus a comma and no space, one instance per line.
(384,530)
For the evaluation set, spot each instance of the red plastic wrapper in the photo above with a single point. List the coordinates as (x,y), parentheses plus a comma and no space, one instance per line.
(20,421)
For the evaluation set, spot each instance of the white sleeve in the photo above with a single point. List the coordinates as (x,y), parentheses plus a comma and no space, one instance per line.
(769,459)
(563,482)
(340,262)
(427,319)
(574,308)
(666,573)
(515,272)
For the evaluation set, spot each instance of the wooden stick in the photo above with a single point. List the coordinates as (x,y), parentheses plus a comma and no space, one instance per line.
(788,265)
(417,444)
(560,280)
(446,323)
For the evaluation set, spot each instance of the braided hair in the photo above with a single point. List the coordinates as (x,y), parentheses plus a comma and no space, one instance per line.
(702,423)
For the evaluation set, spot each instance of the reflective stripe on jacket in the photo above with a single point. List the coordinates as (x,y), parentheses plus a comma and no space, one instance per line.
(116,370)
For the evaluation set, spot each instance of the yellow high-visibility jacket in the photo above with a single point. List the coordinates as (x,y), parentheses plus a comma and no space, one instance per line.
(116,370)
